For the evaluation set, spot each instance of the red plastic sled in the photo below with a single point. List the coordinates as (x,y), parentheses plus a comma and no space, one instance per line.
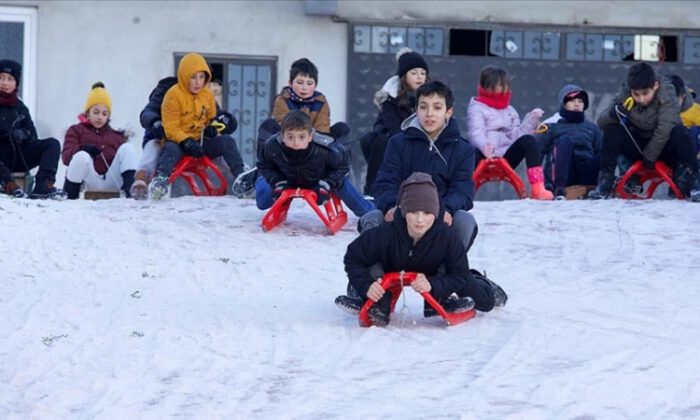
(496,170)
(394,283)
(660,173)
(190,167)
(332,215)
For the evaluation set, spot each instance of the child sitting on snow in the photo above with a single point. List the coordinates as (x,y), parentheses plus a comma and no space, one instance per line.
(417,240)
(299,157)
(572,144)
(95,153)
(188,111)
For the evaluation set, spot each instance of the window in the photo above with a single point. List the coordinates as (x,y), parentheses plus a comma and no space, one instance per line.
(611,47)
(527,45)
(18,37)
(390,39)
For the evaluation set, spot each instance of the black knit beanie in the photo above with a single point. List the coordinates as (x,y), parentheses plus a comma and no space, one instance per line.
(12,67)
(410,60)
(419,193)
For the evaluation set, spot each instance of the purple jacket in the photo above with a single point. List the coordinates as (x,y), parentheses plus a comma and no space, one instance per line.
(497,127)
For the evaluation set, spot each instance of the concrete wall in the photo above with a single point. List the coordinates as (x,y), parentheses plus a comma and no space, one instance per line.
(637,14)
(129,46)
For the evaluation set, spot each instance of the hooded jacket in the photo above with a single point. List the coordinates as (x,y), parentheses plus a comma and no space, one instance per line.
(449,160)
(184,115)
(391,112)
(316,106)
(324,160)
(654,121)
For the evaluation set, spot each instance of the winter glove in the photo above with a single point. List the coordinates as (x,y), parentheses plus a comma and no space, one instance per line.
(19,136)
(229,122)
(322,191)
(210,132)
(157,130)
(649,164)
(278,188)
(92,149)
(619,111)
(192,148)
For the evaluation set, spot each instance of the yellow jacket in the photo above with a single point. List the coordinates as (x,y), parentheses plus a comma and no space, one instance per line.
(691,116)
(184,114)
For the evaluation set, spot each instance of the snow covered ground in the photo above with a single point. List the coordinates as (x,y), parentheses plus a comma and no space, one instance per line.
(119,309)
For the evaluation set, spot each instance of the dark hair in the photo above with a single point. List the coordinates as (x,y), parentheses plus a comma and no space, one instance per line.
(677,83)
(98,85)
(435,87)
(405,94)
(491,76)
(297,120)
(641,76)
(303,66)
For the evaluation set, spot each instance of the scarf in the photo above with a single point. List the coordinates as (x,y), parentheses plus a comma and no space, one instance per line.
(494,100)
(296,98)
(8,99)
(571,116)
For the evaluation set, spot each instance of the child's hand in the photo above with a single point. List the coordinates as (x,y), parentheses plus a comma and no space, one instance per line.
(375,292)
(447,218)
(489,151)
(389,216)
(421,284)
(537,113)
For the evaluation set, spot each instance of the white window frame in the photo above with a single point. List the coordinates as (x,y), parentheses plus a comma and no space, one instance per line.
(27,16)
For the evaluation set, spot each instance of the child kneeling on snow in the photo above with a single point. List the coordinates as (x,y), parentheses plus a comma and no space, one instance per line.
(300,157)
(95,153)
(417,240)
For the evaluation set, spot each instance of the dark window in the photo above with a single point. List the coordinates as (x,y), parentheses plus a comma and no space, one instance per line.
(469,42)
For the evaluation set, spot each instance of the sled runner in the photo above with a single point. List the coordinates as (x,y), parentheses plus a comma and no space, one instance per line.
(332,214)
(191,168)
(496,170)
(394,283)
(661,173)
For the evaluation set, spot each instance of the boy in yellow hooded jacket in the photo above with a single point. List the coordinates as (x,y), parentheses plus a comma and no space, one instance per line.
(187,112)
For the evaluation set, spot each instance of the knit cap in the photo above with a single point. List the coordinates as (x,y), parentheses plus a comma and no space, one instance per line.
(419,193)
(98,95)
(11,67)
(409,60)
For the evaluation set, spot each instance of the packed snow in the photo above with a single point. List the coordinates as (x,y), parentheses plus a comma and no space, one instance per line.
(118,309)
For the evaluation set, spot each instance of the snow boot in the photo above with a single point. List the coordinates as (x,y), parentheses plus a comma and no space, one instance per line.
(159,187)
(379,313)
(453,304)
(128,182)
(244,185)
(694,194)
(12,189)
(45,189)
(72,189)
(536,178)
(351,305)
(604,187)
(139,189)
(634,185)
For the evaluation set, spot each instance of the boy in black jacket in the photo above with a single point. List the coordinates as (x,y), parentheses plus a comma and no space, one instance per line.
(299,157)
(417,240)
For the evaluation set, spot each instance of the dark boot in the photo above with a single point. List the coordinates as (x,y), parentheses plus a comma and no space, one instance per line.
(45,189)
(695,189)
(72,189)
(128,178)
(605,186)
(683,178)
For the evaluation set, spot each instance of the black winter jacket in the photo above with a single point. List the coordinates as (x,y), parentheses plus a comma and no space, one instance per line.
(151,112)
(324,160)
(15,117)
(392,247)
(391,116)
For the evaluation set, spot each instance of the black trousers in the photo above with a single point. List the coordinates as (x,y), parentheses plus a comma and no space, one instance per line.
(374,160)
(214,147)
(524,147)
(679,148)
(27,156)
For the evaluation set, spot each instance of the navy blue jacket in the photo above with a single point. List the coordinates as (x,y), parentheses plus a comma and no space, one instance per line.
(390,245)
(449,160)
(151,112)
(324,159)
(586,137)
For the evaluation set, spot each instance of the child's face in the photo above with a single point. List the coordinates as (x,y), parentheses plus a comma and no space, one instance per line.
(297,139)
(418,223)
(98,115)
(501,88)
(303,86)
(415,77)
(644,96)
(196,82)
(8,84)
(433,113)
(575,105)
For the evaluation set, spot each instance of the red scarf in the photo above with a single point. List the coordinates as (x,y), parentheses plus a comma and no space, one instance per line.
(8,99)
(494,100)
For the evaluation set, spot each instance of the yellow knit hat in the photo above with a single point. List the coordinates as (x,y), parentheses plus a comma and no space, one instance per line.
(98,95)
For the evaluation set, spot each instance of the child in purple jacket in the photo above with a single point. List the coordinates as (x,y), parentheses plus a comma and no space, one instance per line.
(494,128)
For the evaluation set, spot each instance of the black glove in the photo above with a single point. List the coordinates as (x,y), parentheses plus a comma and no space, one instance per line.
(619,111)
(157,130)
(192,148)
(278,188)
(323,192)
(92,149)
(649,164)
(210,131)
(19,136)
(228,120)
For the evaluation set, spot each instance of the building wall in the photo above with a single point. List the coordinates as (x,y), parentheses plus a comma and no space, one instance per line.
(129,46)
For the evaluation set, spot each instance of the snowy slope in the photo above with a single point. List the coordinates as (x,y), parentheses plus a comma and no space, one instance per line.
(185,308)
